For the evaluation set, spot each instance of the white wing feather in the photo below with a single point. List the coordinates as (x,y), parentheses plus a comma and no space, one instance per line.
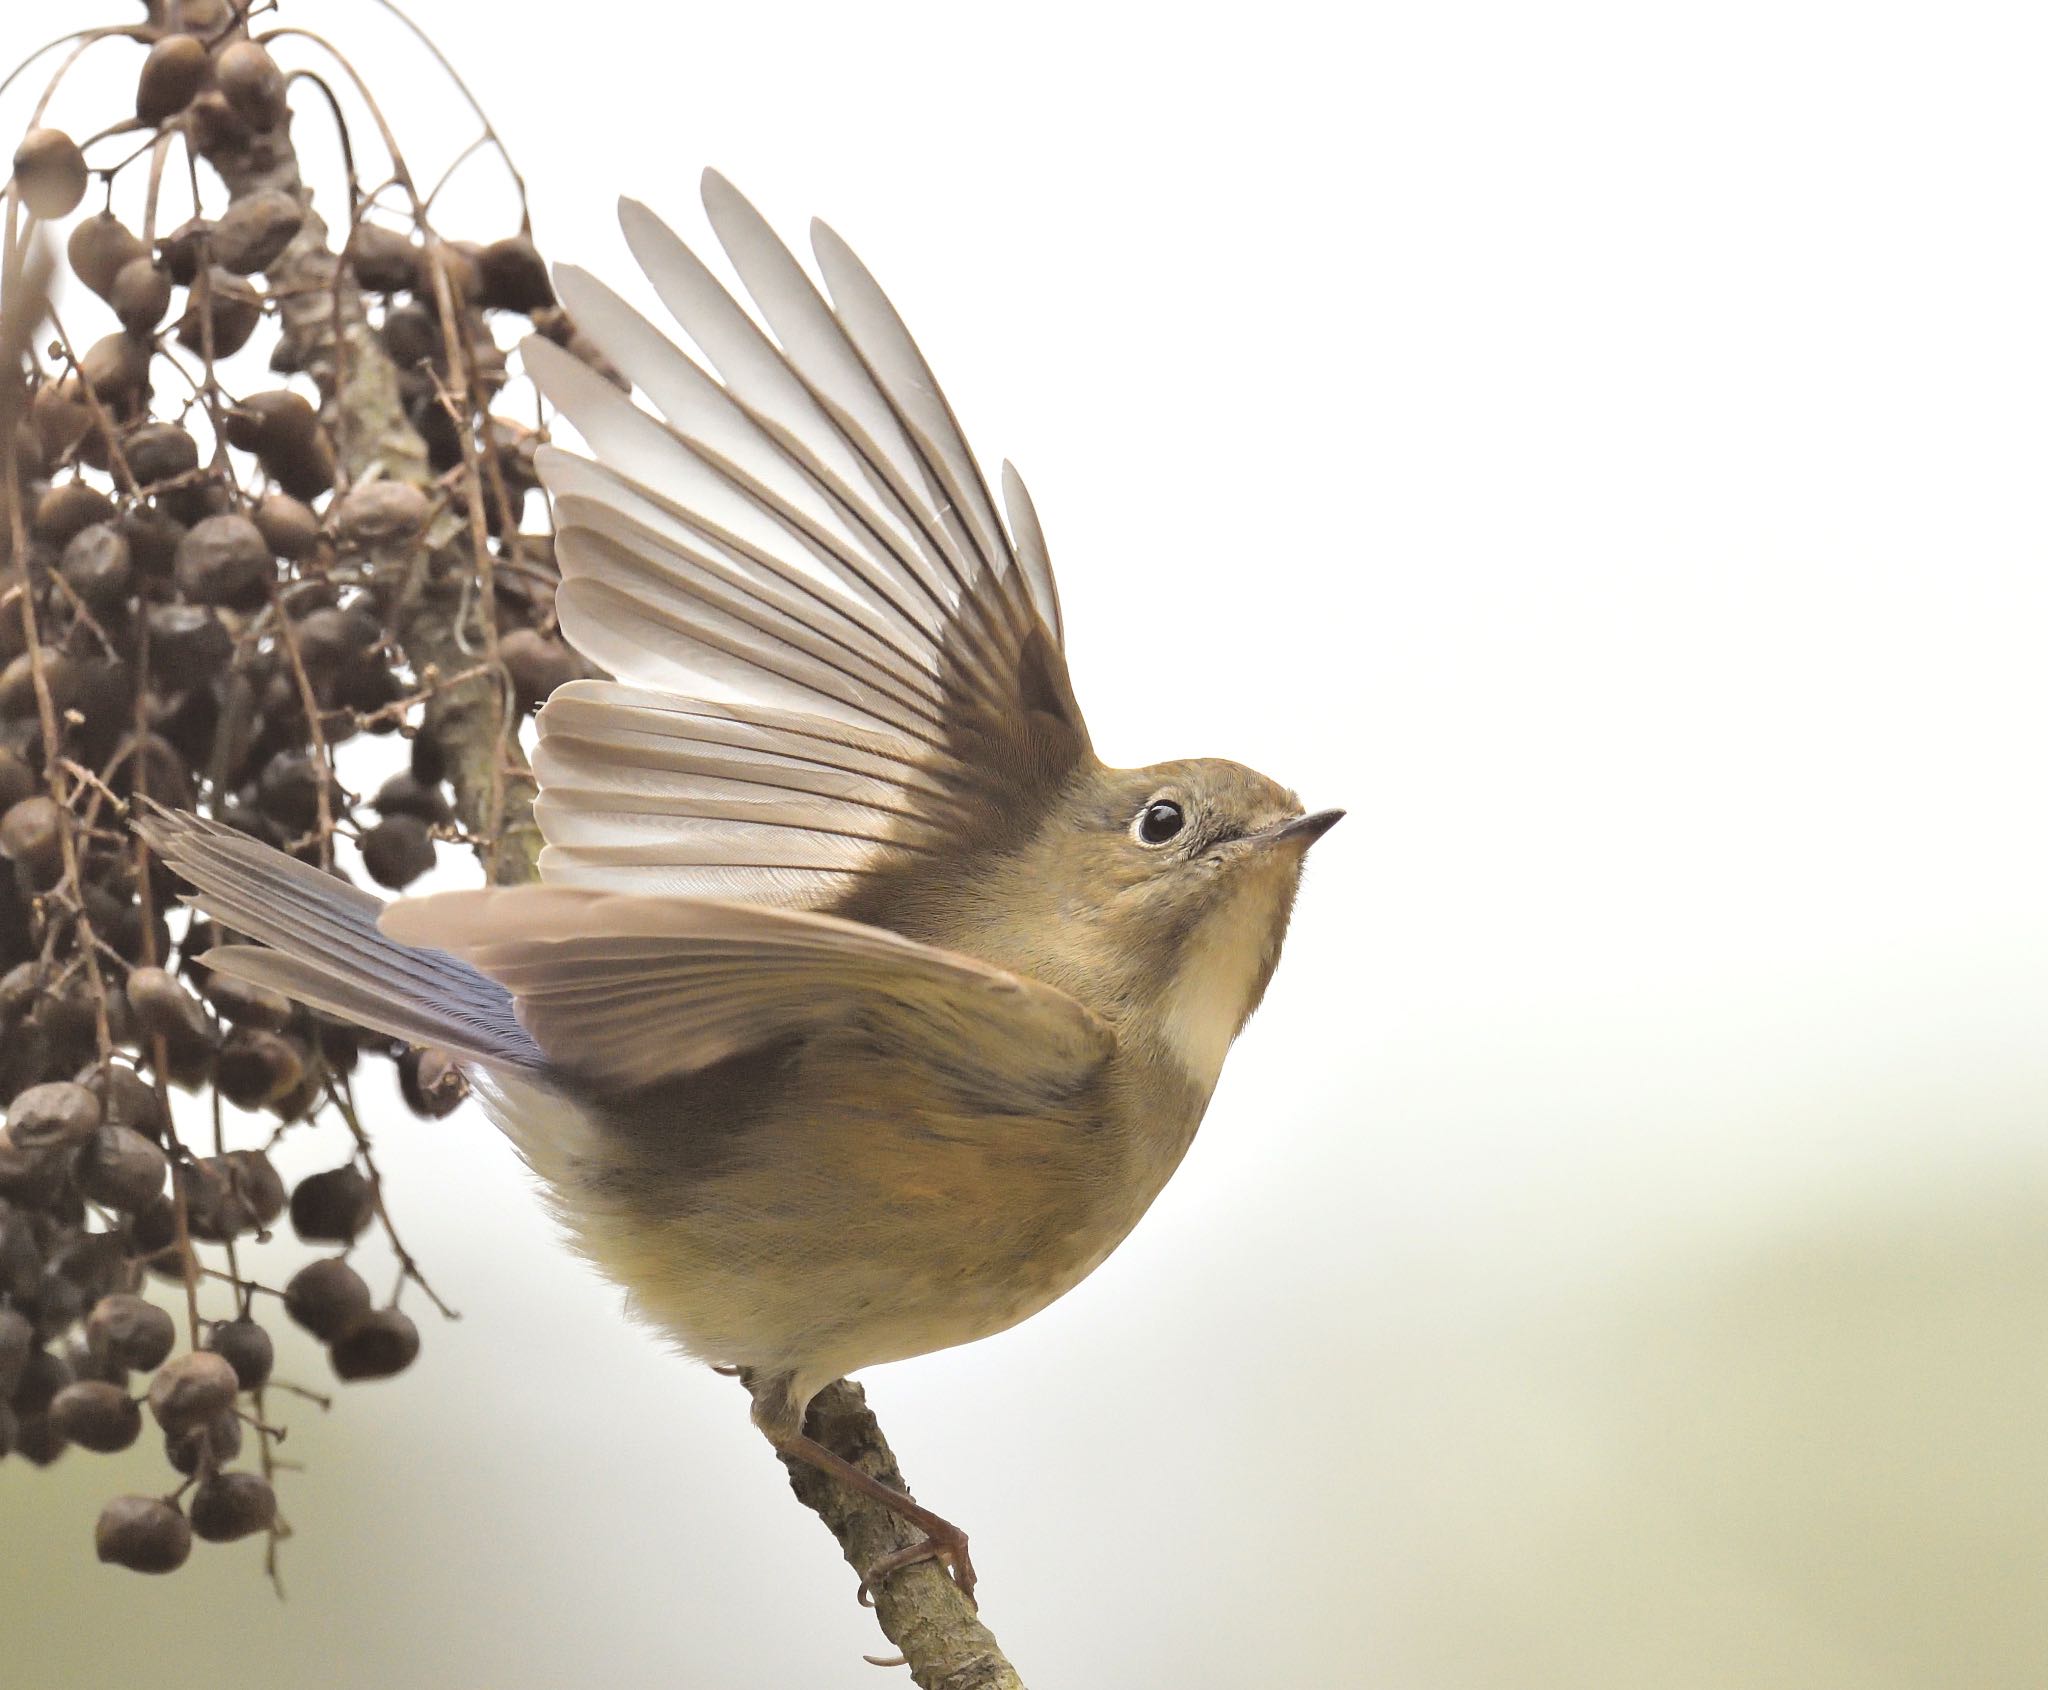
(803,531)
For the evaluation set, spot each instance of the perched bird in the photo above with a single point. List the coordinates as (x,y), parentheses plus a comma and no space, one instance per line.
(861,1010)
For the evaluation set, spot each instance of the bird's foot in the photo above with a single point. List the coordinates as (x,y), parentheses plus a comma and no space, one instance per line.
(947,1546)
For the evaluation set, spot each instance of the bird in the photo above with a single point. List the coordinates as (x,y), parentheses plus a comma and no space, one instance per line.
(859,1010)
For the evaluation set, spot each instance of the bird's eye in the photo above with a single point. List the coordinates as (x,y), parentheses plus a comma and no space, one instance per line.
(1159,821)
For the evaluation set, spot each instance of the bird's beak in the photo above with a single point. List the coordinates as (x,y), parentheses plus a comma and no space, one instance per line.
(1304,831)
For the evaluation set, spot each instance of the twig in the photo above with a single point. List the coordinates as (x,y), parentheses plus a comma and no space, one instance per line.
(408,1266)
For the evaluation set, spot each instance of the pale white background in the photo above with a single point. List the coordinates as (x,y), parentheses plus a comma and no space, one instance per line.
(1602,446)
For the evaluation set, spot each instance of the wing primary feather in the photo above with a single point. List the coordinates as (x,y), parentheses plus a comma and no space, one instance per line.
(603,499)
(798,528)
(1032,554)
(809,623)
(906,379)
(758,378)
(605,706)
(718,324)
(657,452)
(816,346)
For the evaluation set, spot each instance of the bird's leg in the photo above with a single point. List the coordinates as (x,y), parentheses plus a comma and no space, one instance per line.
(779,1405)
(943,1542)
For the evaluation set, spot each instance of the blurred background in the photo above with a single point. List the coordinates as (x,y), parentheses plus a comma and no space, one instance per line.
(1602,447)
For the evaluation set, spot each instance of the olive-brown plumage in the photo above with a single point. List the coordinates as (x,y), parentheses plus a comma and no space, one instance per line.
(862,1011)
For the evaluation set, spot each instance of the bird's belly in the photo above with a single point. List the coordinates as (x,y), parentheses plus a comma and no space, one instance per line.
(843,1232)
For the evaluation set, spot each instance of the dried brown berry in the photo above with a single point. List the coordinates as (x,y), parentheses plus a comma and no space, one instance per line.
(288,526)
(213,1212)
(257,1068)
(513,276)
(428,758)
(126,1099)
(17,779)
(247,1349)
(159,451)
(191,1390)
(97,566)
(397,851)
(254,231)
(59,1306)
(36,1437)
(231,1194)
(68,508)
(224,560)
(87,1365)
(123,1170)
(288,790)
(152,537)
(266,421)
(61,675)
(404,794)
(375,1345)
(145,1534)
(228,1506)
(174,72)
(198,497)
(96,1262)
(183,250)
(17,1344)
(332,1207)
(251,83)
(116,368)
(54,1118)
(32,832)
(43,1374)
(62,421)
(33,1181)
(223,306)
(21,1267)
(257,1183)
(163,1007)
(131,1331)
(537,664)
(69,1009)
(140,296)
(284,432)
(331,637)
(411,336)
(247,1004)
(96,1415)
(431,1083)
(515,446)
(384,260)
(99,248)
(188,641)
(326,1296)
(50,172)
(380,513)
(214,1442)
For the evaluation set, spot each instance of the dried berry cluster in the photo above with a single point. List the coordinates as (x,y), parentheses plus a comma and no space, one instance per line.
(210,578)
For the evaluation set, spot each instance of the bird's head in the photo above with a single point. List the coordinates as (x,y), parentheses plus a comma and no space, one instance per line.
(1163,895)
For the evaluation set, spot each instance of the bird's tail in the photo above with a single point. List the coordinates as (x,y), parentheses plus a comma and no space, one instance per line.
(327,950)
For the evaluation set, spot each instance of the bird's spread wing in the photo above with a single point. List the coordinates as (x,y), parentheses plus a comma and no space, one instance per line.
(806,531)
(637,989)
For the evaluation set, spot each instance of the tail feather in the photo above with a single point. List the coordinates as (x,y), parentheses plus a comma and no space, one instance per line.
(327,949)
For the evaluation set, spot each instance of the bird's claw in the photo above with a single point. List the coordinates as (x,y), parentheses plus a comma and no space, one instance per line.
(949,1552)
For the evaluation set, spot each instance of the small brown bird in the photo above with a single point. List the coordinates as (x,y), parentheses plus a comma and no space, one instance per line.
(862,1011)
